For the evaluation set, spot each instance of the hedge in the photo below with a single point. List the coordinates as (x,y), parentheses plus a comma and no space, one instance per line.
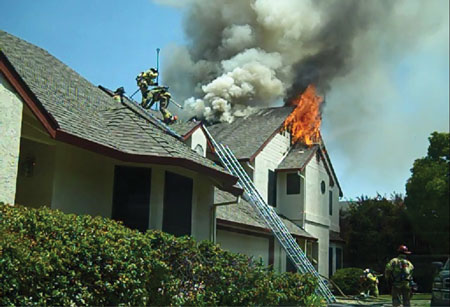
(51,258)
(348,280)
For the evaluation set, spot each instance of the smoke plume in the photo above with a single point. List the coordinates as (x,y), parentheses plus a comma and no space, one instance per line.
(254,53)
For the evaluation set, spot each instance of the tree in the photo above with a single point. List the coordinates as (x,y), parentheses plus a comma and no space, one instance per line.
(427,195)
(373,228)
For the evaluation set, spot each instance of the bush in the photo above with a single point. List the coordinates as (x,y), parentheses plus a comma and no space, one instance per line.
(348,280)
(51,258)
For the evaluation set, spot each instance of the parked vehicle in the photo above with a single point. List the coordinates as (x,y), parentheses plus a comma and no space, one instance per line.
(440,295)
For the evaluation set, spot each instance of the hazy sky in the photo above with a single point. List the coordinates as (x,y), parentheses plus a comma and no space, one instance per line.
(377,116)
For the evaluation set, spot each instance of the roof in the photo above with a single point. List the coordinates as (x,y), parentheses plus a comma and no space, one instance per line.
(335,236)
(298,156)
(180,127)
(244,214)
(246,136)
(75,111)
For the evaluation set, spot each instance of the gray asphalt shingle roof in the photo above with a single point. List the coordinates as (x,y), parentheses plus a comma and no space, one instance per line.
(243,213)
(246,135)
(84,110)
(298,156)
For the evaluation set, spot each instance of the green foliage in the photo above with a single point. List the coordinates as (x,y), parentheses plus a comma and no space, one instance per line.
(51,258)
(427,195)
(348,280)
(373,228)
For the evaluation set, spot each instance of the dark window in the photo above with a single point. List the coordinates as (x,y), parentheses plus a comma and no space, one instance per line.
(272,189)
(292,183)
(338,258)
(322,187)
(177,213)
(131,196)
(330,200)
(290,267)
(330,261)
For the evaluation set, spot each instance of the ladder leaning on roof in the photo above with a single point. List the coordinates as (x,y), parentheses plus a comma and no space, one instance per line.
(267,213)
(270,217)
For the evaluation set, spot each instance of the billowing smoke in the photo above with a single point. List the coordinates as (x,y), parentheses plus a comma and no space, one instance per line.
(254,53)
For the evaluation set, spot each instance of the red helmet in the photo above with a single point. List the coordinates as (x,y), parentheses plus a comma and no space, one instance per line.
(403,250)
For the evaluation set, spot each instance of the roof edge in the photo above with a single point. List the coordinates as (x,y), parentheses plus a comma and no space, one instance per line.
(238,226)
(253,157)
(12,76)
(228,179)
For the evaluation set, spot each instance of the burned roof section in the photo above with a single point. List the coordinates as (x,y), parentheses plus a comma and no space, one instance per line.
(246,136)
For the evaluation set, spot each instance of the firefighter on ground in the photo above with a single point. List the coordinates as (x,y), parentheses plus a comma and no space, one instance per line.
(370,282)
(398,273)
(157,93)
(118,94)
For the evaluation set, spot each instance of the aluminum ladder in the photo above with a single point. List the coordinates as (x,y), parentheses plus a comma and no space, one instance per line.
(270,217)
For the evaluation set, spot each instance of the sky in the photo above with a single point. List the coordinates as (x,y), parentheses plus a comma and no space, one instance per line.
(376,119)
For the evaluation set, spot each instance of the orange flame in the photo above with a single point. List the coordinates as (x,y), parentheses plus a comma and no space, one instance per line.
(304,122)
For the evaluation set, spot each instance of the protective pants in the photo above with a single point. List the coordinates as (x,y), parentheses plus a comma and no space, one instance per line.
(401,295)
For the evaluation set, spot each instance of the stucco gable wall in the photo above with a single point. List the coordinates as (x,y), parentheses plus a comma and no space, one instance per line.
(269,159)
(10,129)
(198,138)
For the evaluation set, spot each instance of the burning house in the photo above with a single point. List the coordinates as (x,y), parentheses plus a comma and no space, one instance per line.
(283,153)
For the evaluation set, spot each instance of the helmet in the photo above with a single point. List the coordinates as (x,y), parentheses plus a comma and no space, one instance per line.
(153,70)
(120,91)
(403,250)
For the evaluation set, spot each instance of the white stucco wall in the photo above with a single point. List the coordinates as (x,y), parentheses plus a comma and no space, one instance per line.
(269,159)
(317,218)
(244,244)
(35,187)
(10,130)
(83,181)
(321,232)
(290,205)
(198,138)
(83,184)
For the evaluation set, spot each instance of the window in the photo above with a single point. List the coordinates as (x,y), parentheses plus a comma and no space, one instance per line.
(272,189)
(330,261)
(177,212)
(330,202)
(292,183)
(322,187)
(338,258)
(131,196)
(199,149)
(290,267)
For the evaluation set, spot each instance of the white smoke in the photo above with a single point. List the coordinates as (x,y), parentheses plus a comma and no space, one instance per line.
(250,53)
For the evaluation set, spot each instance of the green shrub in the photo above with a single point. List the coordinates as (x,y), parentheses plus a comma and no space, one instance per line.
(51,258)
(348,280)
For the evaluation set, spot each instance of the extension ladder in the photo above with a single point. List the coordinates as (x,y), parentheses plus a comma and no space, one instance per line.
(270,217)
(266,212)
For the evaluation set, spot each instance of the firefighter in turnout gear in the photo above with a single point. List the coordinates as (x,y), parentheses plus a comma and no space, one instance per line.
(370,282)
(144,80)
(118,94)
(160,94)
(399,274)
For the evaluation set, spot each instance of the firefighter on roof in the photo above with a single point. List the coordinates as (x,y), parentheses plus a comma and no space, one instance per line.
(118,94)
(144,80)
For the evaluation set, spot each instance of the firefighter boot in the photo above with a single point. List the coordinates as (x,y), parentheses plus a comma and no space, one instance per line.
(168,117)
